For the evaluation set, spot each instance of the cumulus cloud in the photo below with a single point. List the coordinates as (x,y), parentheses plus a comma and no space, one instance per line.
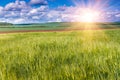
(38,2)
(117,15)
(19,20)
(17,6)
(21,12)
(1,8)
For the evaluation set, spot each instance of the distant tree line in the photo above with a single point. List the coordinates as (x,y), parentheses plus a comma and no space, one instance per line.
(5,24)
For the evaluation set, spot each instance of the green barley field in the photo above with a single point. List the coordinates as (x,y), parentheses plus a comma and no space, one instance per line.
(72,55)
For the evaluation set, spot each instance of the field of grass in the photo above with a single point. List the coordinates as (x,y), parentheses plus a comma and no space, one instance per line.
(57,26)
(74,55)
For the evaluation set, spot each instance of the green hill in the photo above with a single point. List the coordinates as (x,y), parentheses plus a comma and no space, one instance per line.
(5,23)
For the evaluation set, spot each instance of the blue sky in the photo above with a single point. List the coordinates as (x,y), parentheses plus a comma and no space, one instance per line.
(38,11)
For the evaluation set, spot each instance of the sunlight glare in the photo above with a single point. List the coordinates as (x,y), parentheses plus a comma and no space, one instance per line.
(89,15)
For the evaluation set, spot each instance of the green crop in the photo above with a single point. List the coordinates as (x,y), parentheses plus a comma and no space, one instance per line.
(73,55)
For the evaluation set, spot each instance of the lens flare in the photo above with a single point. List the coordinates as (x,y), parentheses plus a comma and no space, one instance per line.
(90,10)
(88,15)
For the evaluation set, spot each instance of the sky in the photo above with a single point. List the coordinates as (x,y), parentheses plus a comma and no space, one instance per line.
(41,11)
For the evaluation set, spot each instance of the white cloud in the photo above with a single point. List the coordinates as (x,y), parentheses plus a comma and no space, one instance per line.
(1,8)
(35,17)
(17,6)
(33,11)
(118,15)
(19,20)
(38,2)
(22,12)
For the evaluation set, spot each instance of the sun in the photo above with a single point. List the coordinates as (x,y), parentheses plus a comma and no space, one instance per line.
(88,15)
